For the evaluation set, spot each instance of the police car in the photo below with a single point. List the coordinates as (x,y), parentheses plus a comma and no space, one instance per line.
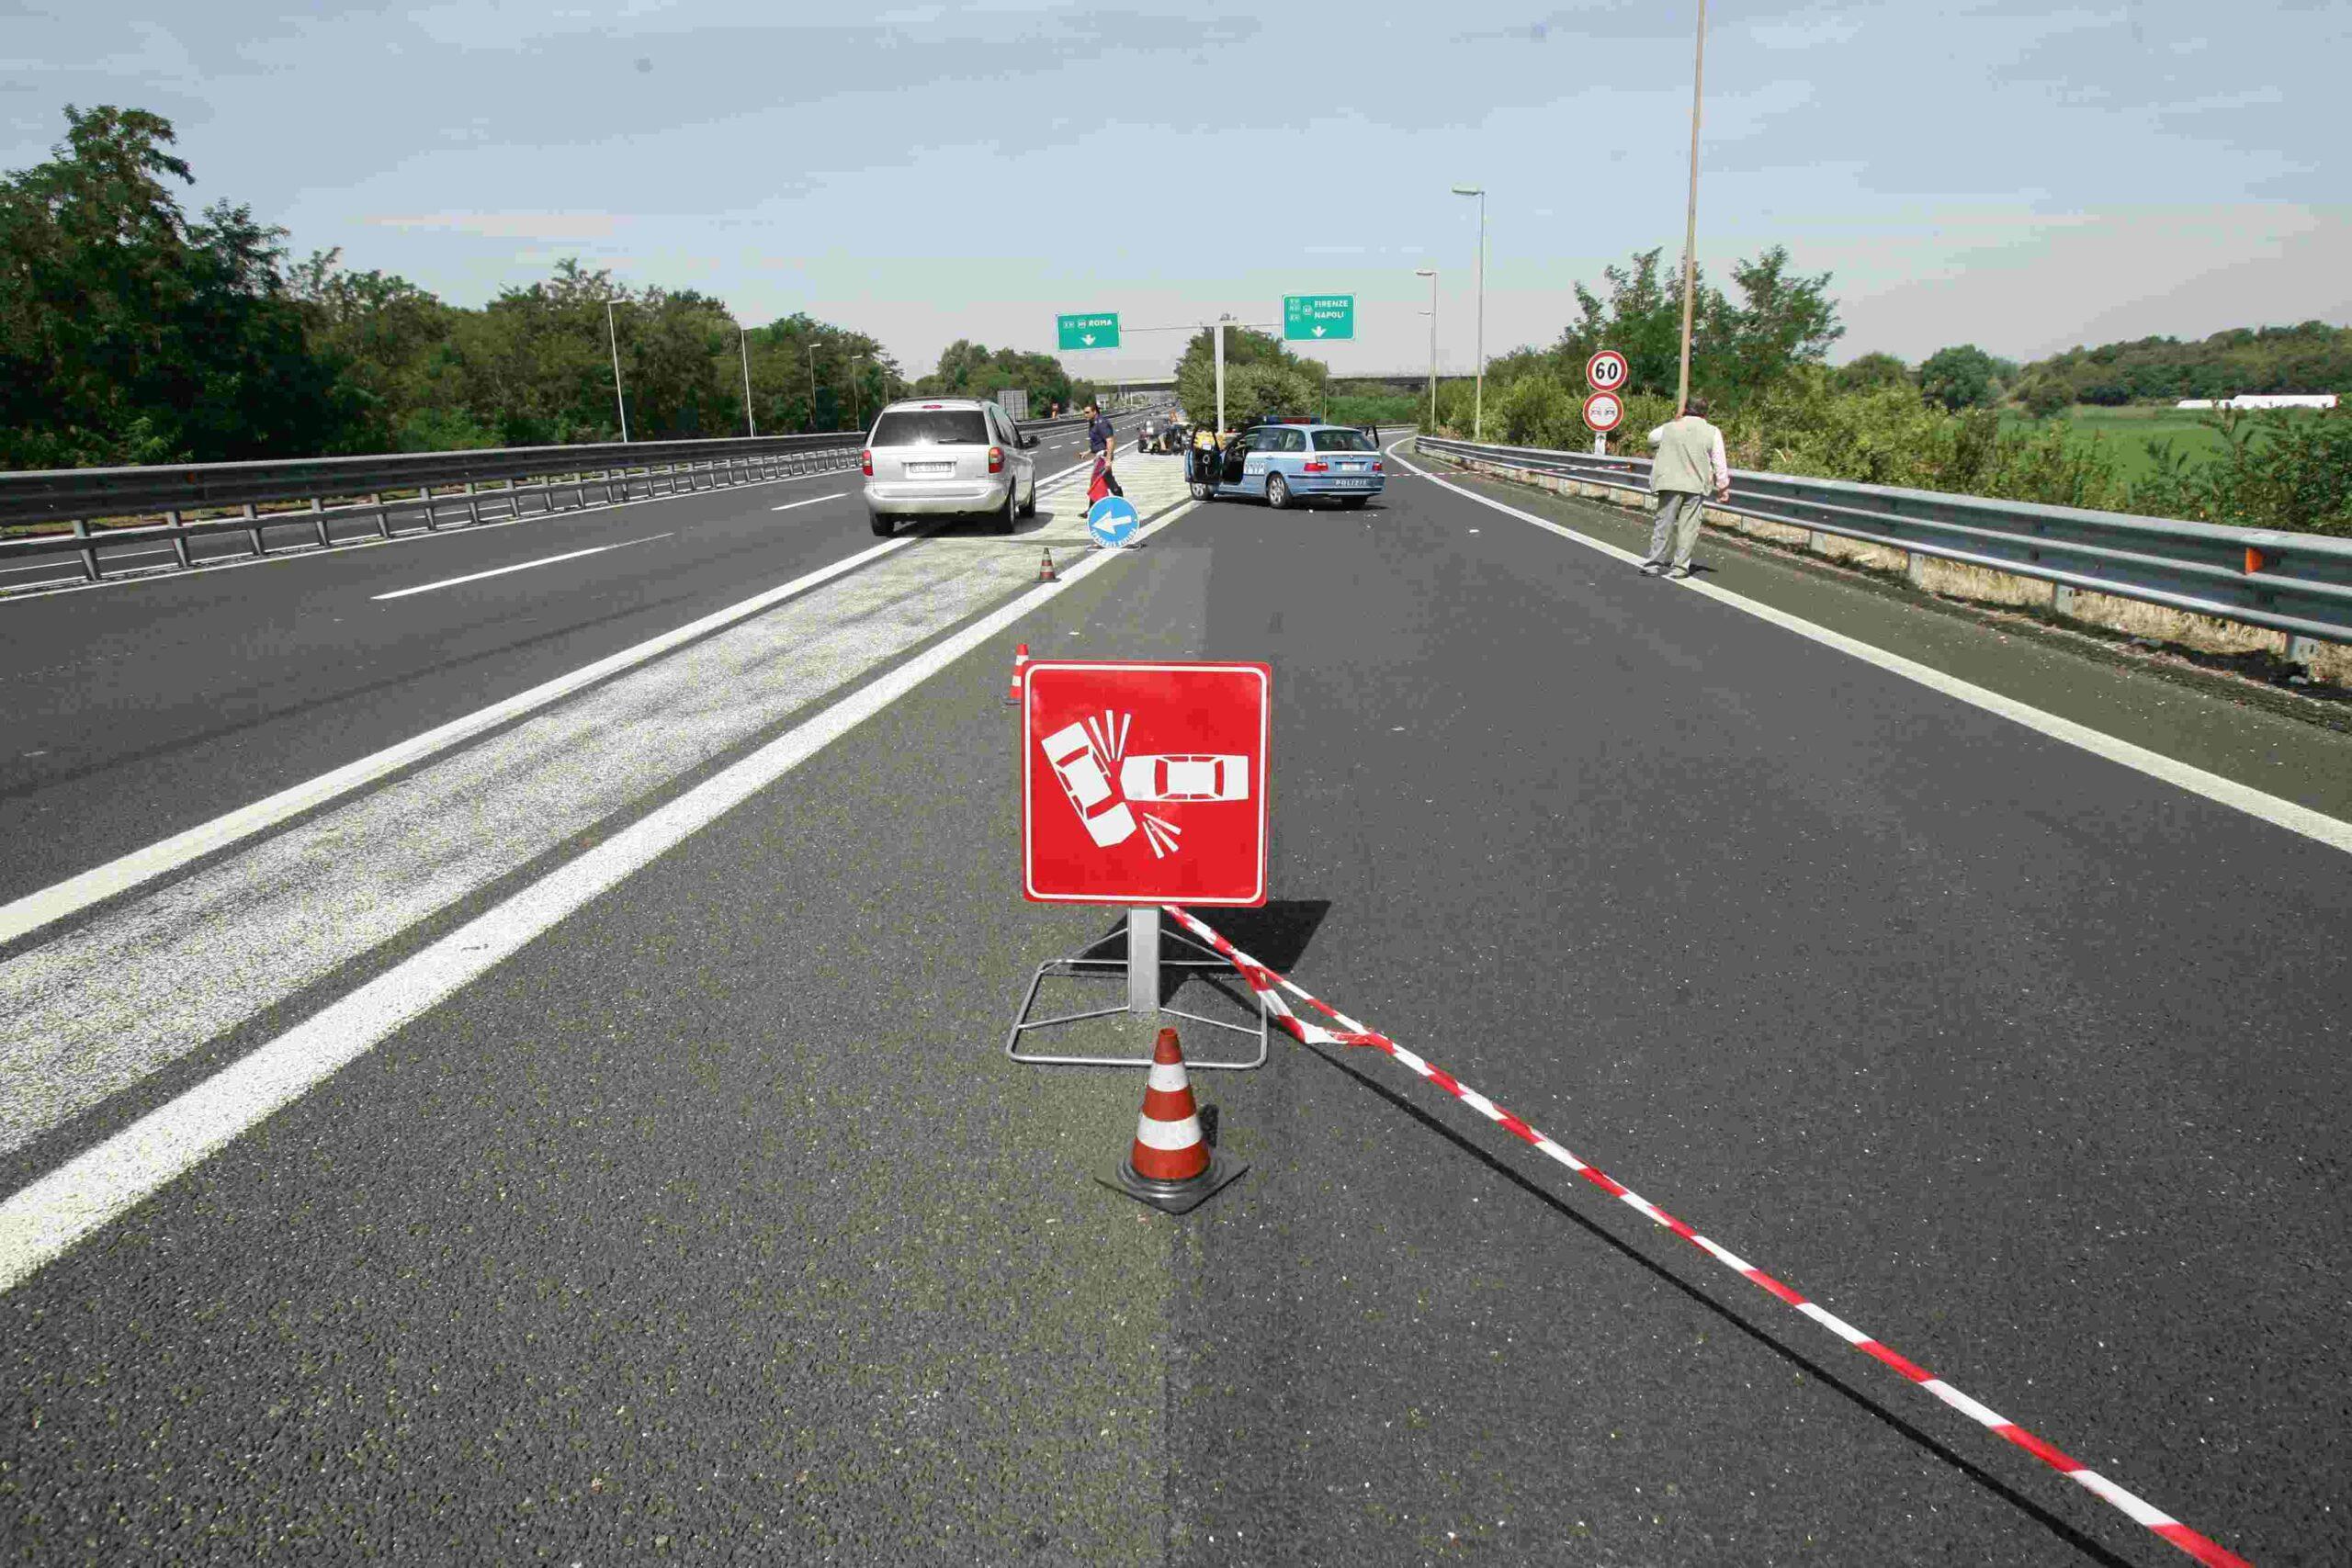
(1289,460)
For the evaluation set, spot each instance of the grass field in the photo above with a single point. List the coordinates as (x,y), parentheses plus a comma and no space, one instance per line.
(2126,432)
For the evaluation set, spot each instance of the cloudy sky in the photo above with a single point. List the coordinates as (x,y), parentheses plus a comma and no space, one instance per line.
(2022,174)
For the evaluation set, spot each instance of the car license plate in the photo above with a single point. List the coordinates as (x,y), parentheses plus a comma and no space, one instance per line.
(1352,468)
(930,470)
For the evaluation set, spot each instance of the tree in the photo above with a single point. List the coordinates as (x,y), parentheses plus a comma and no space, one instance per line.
(129,333)
(1261,378)
(1957,377)
(1872,371)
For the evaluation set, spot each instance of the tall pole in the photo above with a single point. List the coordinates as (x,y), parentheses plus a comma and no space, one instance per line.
(744,338)
(1690,222)
(618,401)
(1478,398)
(1220,376)
(812,386)
(1430,272)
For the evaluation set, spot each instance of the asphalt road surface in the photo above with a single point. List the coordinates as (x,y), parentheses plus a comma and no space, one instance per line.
(710,1221)
(174,697)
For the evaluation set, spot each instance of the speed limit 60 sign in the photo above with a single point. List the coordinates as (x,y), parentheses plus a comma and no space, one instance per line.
(1603,412)
(1606,371)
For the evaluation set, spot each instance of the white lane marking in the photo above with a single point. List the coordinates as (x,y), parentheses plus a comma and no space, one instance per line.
(37,909)
(87,1015)
(2291,814)
(284,553)
(812,500)
(518,566)
(44,1219)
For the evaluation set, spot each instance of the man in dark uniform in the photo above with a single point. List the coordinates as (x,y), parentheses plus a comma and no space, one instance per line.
(1104,445)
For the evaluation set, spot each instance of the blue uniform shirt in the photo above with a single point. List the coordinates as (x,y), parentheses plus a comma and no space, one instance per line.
(1098,434)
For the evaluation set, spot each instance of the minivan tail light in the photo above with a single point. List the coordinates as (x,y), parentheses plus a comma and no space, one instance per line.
(996,459)
(866,461)
(1316,466)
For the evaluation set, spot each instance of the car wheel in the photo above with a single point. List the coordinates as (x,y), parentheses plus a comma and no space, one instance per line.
(1002,520)
(1200,492)
(1029,507)
(885,527)
(1277,492)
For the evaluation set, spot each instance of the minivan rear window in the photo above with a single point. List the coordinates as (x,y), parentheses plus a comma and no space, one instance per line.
(931,427)
(1342,440)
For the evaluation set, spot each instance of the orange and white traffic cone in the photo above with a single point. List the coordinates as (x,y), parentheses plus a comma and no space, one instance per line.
(1020,669)
(1046,573)
(1171,1165)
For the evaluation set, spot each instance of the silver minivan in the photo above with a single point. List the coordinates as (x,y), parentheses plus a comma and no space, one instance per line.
(948,457)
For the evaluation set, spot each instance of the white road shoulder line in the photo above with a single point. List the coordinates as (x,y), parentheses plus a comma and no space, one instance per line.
(61,899)
(41,1221)
(518,566)
(812,500)
(2293,816)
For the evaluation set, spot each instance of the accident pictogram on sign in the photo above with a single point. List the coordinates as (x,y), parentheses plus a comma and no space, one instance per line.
(1144,782)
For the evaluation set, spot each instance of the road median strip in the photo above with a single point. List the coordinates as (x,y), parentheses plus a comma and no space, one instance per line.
(53,1214)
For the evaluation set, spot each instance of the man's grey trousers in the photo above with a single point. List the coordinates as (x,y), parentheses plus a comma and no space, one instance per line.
(1677,526)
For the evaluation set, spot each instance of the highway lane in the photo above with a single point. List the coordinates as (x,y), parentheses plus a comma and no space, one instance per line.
(136,710)
(717,1214)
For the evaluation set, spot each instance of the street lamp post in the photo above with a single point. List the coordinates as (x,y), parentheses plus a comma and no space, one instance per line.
(743,338)
(1220,375)
(1479,400)
(1430,272)
(812,387)
(1690,221)
(619,403)
(856,417)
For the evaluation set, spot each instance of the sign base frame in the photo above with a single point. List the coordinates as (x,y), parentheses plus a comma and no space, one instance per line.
(1139,967)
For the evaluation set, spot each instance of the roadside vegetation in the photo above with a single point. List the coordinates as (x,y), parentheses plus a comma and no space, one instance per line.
(1957,423)
(132,331)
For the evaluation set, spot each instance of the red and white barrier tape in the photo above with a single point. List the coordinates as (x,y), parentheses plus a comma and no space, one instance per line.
(1269,987)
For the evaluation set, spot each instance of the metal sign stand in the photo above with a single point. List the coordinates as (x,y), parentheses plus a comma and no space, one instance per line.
(1141,966)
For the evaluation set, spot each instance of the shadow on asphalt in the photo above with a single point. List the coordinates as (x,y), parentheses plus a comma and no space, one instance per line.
(1276,934)
(1870,1405)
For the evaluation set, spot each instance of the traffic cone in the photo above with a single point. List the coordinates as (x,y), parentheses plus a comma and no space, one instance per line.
(1046,573)
(1170,1165)
(1020,664)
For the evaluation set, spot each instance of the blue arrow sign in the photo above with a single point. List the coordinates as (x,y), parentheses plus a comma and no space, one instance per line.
(1112,521)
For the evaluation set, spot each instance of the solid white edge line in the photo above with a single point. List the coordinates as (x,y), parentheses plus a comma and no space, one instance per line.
(2279,813)
(791,505)
(312,552)
(518,566)
(34,911)
(42,1219)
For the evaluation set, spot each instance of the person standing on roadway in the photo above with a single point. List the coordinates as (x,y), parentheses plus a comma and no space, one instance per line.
(1105,444)
(1686,465)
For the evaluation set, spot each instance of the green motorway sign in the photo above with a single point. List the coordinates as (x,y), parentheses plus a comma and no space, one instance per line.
(1319,318)
(1089,329)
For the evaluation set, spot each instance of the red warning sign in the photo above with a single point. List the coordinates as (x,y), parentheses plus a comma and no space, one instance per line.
(1144,782)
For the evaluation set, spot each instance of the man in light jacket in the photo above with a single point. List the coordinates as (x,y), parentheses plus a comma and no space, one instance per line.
(1687,465)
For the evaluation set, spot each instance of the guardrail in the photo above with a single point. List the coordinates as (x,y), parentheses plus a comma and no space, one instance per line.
(2298,584)
(330,501)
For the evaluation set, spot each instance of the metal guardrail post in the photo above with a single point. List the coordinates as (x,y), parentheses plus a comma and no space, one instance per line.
(179,539)
(432,525)
(89,552)
(383,523)
(473,503)
(253,534)
(318,517)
